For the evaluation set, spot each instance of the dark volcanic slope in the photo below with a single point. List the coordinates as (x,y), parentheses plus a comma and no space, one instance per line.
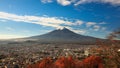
(64,36)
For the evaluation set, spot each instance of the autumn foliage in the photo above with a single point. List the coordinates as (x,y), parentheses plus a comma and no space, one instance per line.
(93,62)
(69,62)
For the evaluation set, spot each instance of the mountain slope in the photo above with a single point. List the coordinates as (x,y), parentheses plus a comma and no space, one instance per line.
(64,36)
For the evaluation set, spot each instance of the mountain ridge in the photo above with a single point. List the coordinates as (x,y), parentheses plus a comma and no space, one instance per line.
(63,36)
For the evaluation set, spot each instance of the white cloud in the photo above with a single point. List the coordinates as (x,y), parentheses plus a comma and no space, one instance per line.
(112,2)
(96,27)
(45,21)
(76,30)
(46,1)
(79,2)
(8,36)
(64,2)
(54,22)
(102,23)
(80,31)
(89,24)
(79,22)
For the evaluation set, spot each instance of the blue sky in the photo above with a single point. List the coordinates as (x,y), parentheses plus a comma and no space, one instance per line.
(23,18)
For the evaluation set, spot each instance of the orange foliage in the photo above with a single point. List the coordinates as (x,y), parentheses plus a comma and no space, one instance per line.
(93,62)
(65,62)
(46,63)
(69,62)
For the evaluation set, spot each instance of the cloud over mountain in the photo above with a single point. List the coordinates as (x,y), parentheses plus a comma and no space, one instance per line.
(45,21)
(55,22)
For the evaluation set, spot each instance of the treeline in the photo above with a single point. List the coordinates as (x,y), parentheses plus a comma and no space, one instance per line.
(69,62)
